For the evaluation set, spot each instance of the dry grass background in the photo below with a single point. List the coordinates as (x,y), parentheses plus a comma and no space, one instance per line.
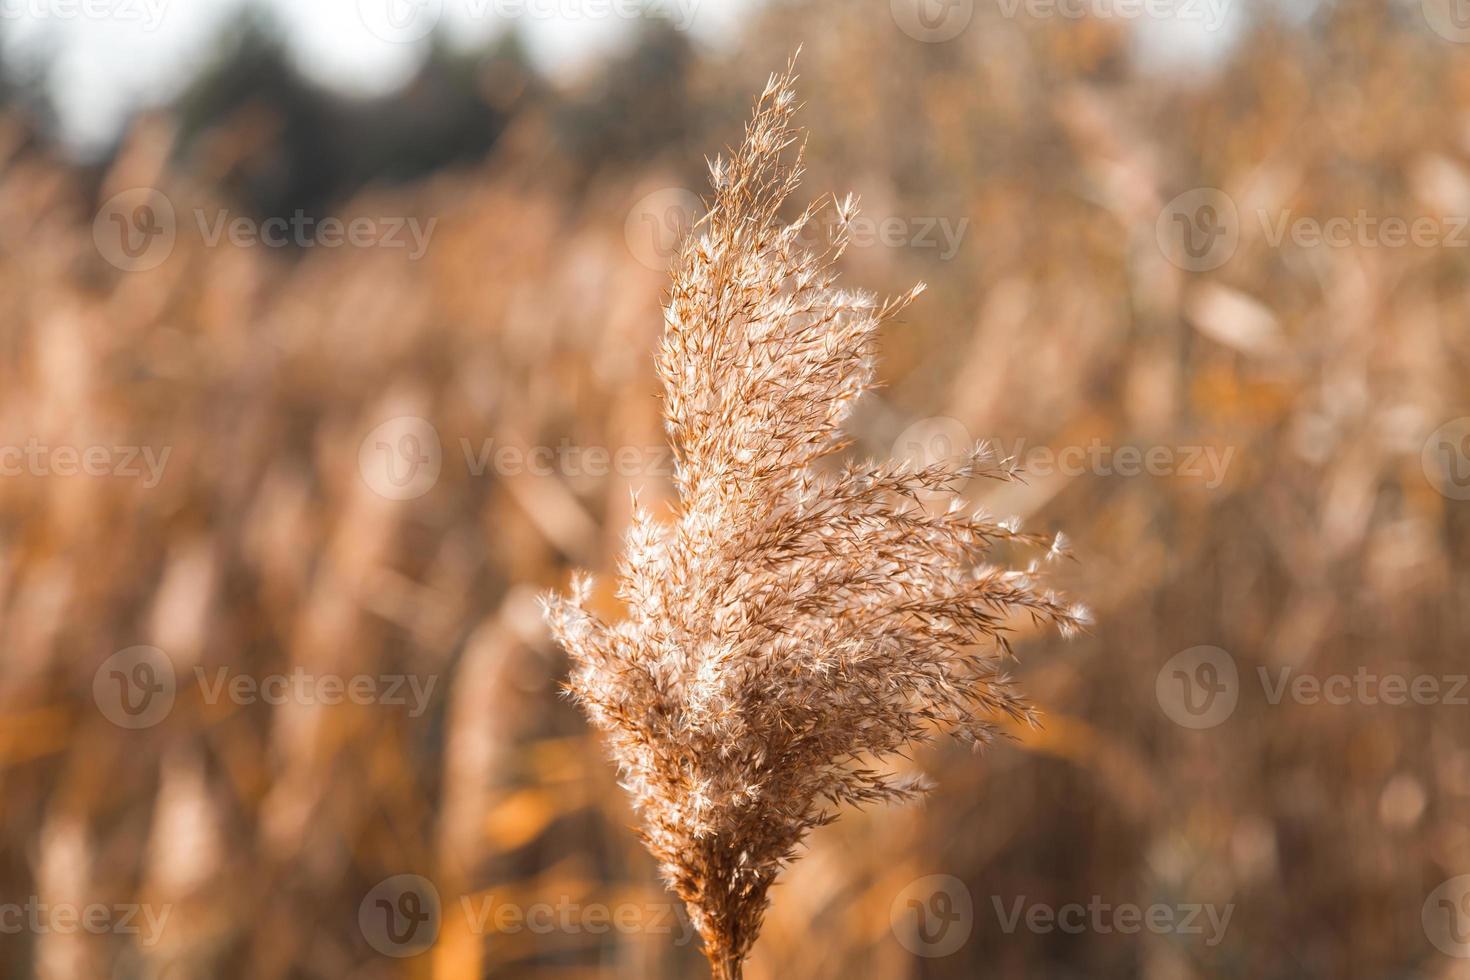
(530,321)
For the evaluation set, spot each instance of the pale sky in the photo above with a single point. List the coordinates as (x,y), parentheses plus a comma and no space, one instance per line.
(106,57)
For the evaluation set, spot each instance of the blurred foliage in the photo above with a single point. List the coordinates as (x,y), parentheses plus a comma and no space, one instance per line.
(281,142)
(530,321)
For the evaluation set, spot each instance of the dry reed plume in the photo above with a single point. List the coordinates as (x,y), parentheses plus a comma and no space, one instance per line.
(790,628)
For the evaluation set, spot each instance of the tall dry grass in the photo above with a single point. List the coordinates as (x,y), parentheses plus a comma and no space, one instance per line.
(1324,548)
(790,629)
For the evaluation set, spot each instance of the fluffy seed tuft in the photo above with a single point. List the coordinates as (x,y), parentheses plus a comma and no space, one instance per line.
(789,629)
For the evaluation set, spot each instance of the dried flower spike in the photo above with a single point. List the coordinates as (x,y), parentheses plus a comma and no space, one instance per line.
(790,628)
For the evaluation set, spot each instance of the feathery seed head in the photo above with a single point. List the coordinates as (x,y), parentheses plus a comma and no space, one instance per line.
(790,628)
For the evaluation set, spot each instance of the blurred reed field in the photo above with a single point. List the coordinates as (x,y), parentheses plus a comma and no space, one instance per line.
(271,638)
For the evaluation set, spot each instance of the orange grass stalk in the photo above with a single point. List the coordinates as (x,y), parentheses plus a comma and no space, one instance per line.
(790,628)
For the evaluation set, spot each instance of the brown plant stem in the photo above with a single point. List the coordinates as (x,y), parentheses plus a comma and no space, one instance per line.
(726,967)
